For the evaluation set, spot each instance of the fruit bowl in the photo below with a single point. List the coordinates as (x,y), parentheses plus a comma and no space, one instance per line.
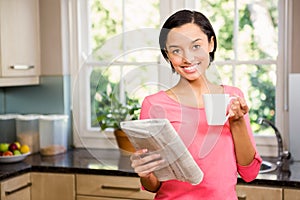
(12,159)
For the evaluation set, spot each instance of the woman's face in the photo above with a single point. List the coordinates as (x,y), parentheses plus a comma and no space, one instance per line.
(188,50)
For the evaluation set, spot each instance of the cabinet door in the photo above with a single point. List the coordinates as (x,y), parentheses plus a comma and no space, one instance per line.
(258,193)
(291,194)
(111,186)
(19,38)
(16,188)
(50,186)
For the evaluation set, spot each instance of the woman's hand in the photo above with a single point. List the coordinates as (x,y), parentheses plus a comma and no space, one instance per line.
(144,163)
(238,109)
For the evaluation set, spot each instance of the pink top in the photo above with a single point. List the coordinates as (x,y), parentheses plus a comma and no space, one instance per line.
(213,152)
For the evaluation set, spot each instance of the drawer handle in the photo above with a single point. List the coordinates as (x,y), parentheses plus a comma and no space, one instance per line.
(22,67)
(108,187)
(18,189)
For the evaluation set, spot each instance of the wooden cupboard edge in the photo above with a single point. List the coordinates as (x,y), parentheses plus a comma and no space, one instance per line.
(19,81)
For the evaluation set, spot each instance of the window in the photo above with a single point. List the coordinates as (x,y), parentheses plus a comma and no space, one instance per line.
(247,54)
(119,50)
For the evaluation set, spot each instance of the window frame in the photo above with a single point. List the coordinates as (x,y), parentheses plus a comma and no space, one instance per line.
(85,137)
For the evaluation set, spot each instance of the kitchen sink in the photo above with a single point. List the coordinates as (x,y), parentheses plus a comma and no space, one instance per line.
(267,167)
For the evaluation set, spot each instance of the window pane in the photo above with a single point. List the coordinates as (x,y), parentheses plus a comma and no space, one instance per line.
(226,74)
(258,83)
(137,82)
(221,15)
(122,82)
(141,14)
(105,21)
(123,34)
(258,32)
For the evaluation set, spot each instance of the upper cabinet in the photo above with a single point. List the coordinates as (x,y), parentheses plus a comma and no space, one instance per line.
(19,42)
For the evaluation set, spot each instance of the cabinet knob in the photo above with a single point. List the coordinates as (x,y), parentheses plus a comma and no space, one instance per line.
(22,67)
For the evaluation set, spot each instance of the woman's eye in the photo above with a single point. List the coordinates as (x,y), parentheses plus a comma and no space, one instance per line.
(197,46)
(176,51)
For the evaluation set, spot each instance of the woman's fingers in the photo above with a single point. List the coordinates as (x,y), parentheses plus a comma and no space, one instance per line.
(145,163)
(238,108)
(145,170)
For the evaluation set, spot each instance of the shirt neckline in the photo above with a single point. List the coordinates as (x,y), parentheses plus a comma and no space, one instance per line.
(176,102)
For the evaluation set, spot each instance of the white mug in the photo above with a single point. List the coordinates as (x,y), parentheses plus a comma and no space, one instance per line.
(216,107)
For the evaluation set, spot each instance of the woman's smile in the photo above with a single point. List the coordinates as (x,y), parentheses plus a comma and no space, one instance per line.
(190,68)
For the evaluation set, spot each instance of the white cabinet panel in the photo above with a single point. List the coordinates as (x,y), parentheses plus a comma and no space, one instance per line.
(19,38)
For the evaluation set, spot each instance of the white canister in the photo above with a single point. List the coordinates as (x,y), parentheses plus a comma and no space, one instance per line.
(27,128)
(53,131)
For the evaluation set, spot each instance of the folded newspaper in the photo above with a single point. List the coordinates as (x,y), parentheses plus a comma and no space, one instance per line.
(159,136)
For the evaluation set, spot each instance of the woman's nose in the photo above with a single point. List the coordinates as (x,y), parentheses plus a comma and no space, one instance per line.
(189,57)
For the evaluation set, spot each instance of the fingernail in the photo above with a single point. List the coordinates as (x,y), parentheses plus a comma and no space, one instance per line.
(145,150)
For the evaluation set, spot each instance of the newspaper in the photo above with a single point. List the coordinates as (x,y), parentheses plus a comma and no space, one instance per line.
(159,136)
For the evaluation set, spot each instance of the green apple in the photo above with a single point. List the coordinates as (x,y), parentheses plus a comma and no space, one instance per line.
(4,147)
(17,152)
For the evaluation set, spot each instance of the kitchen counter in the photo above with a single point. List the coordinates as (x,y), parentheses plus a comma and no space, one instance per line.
(110,162)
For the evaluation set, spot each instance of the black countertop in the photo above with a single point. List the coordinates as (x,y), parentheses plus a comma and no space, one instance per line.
(111,162)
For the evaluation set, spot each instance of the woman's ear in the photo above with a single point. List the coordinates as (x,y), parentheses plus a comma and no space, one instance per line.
(211,44)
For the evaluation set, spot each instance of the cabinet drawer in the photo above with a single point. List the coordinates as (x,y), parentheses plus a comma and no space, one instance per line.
(16,188)
(258,193)
(97,198)
(111,186)
(291,194)
(52,186)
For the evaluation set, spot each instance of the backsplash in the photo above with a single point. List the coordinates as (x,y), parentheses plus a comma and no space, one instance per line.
(2,101)
(51,96)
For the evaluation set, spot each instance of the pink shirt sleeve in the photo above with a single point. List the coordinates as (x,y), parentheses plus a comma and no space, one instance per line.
(145,109)
(249,172)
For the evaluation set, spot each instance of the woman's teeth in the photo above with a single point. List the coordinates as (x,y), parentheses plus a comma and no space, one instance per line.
(191,68)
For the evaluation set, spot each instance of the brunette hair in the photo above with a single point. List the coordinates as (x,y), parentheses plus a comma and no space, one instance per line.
(184,17)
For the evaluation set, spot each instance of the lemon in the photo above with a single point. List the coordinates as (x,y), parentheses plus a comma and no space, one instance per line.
(24,149)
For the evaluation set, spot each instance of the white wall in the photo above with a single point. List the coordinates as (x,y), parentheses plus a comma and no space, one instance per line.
(54,37)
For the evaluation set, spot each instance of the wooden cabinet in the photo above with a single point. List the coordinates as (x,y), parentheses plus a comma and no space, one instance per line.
(96,198)
(291,194)
(16,188)
(246,192)
(50,186)
(96,187)
(58,186)
(19,42)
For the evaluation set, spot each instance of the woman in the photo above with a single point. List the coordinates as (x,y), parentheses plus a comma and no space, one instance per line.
(188,43)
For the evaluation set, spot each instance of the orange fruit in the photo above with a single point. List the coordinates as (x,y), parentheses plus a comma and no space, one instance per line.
(24,149)
(7,153)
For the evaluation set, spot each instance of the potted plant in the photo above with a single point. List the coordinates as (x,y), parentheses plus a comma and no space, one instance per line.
(110,111)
